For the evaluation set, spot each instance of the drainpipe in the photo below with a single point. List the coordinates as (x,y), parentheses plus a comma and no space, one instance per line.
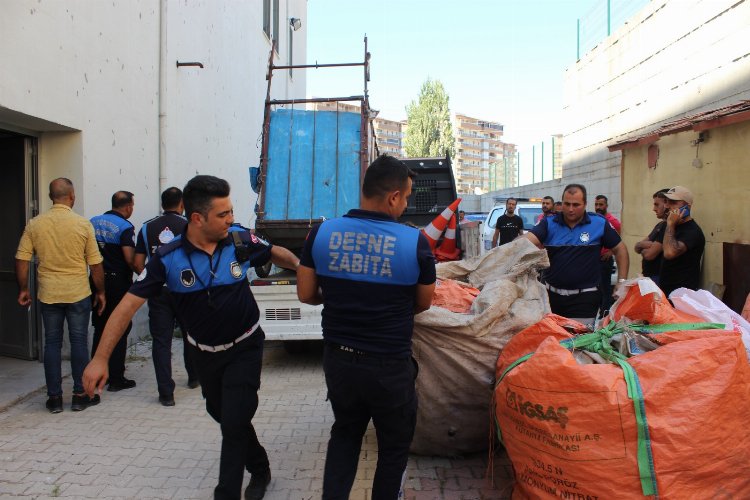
(162,95)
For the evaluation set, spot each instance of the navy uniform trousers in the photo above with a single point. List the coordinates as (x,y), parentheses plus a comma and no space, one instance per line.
(230,381)
(360,388)
(161,322)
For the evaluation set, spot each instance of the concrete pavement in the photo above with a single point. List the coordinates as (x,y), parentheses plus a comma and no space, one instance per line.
(129,446)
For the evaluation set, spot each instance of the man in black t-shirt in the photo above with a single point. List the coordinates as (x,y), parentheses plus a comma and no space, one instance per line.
(650,247)
(683,244)
(508,226)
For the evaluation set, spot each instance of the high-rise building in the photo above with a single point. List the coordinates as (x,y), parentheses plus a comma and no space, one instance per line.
(557,156)
(483,162)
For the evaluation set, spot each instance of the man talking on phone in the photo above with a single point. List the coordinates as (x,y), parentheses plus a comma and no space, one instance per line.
(683,244)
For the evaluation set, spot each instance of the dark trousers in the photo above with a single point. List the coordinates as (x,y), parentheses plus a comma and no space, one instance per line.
(115,288)
(582,305)
(606,266)
(161,321)
(230,381)
(361,388)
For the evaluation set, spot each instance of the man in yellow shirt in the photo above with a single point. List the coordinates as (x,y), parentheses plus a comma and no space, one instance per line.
(66,248)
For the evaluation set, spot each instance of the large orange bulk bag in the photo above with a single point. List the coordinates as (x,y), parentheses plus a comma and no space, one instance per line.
(678,428)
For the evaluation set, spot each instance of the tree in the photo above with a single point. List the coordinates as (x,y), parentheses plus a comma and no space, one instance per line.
(429,132)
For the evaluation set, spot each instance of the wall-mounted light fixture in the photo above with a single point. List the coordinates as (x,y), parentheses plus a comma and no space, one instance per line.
(295,23)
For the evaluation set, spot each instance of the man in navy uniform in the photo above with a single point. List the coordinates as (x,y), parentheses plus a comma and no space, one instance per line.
(161,309)
(206,272)
(374,275)
(574,239)
(116,238)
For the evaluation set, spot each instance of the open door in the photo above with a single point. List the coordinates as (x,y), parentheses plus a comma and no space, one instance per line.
(18,325)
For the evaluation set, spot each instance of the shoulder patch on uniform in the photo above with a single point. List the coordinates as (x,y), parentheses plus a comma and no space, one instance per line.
(169,247)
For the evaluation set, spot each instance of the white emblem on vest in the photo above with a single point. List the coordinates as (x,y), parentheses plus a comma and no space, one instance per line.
(166,235)
(584,237)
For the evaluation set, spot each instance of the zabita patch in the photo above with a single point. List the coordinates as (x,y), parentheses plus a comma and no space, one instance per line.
(187,278)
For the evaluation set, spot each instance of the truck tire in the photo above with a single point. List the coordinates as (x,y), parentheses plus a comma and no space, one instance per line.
(264,270)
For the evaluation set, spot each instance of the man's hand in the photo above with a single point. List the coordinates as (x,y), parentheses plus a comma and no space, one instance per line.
(606,255)
(674,217)
(99,302)
(24,298)
(95,376)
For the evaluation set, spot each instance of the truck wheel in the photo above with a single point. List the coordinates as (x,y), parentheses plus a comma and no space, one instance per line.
(264,270)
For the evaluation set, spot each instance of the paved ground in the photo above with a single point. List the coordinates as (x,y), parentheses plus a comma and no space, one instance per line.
(129,446)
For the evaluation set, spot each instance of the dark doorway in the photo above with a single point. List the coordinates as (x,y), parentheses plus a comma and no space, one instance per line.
(17,336)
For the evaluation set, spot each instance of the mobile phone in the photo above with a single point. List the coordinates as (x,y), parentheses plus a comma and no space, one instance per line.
(685,211)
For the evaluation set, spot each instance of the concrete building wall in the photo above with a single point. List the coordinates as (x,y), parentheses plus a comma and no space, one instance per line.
(719,187)
(672,59)
(85,80)
(97,84)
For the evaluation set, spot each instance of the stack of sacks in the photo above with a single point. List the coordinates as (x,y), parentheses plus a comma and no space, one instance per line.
(457,351)
(670,423)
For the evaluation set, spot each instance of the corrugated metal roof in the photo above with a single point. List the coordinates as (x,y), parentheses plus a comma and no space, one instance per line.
(734,113)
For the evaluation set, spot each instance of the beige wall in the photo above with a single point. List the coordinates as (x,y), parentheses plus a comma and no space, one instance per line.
(720,188)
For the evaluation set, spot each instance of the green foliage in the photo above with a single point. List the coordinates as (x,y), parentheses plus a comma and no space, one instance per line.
(429,133)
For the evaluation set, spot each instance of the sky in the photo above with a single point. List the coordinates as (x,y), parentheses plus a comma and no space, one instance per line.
(499,60)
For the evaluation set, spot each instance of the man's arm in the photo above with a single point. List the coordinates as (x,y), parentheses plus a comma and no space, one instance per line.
(623,260)
(97,276)
(22,277)
(532,238)
(495,236)
(308,291)
(672,247)
(139,262)
(746,308)
(652,251)
(284,258)
(128,253)
(97,371)
(423,297)
(642,245)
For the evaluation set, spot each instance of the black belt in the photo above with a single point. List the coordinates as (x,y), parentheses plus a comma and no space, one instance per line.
(357,356)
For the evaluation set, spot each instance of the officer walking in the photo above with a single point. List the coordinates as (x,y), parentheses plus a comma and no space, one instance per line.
(206,273)
(161,309)
(374,275)
(116,238)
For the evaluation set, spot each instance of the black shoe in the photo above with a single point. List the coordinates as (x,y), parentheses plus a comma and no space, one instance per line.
(122,384)
(258,483)
(55,404)
(193,383)
(166,400)
(82,401)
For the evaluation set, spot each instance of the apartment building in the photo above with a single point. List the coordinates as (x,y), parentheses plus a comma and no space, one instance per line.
(483,161)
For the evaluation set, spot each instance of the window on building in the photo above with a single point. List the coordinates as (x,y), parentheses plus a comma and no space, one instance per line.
(271,20)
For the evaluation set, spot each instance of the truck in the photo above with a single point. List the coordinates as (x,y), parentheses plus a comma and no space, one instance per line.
(311,168)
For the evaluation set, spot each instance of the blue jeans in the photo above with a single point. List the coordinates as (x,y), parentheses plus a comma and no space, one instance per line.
(78,315)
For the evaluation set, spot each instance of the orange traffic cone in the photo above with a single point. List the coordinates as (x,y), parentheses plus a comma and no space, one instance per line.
(434,229)
(447,249)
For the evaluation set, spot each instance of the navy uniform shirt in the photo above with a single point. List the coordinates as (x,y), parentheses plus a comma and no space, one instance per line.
(211,292)
(368,266)
(159,231)
(113,231)
(574,252)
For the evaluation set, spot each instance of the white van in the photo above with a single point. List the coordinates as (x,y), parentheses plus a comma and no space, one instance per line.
(528,210)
